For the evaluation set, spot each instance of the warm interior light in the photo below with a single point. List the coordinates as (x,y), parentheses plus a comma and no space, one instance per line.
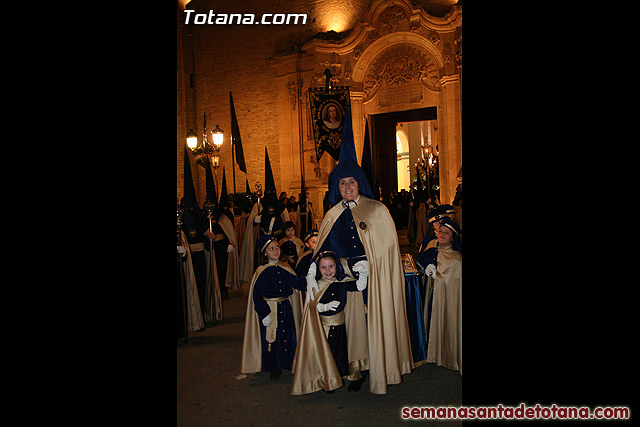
(218,136)
(192,139)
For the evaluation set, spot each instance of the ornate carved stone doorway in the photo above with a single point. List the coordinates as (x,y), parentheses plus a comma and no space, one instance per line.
(397,60)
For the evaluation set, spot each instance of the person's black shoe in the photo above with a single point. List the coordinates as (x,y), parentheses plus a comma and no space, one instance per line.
(356,385)
(275,375)
(329,392)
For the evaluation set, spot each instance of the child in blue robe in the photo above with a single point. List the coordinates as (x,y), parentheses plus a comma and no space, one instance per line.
(274,309)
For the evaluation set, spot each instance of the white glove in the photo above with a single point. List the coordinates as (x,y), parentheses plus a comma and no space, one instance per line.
(257,219)
(267,320)
(361,267)
(311,282)
(182,250)
(330,306)
(361,283)
(430,270)
(229,248)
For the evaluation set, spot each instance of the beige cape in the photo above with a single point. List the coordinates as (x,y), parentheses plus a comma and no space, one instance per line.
(313,364)
(445,332)
(251,345)
(389,345)
(232,280)
(194,313)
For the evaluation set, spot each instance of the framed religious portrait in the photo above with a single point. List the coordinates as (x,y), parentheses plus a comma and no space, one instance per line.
(332,115)
(328,109)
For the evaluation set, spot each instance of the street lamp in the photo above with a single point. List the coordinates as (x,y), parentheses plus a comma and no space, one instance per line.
(192,139)
(206,151)
(217,136)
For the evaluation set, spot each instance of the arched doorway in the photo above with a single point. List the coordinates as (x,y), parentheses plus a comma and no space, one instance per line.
(383,143)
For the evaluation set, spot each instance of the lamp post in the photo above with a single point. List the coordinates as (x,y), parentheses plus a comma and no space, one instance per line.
(217,135)
(206,152)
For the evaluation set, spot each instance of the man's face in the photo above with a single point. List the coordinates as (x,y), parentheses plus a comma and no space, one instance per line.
(348,188)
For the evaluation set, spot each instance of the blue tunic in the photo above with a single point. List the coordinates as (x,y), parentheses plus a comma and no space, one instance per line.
(302,268)
(418,340)
(426,257)
(337,337)
(275,282)
(343,239)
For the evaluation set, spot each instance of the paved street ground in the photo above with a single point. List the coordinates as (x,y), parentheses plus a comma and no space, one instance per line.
(210,391)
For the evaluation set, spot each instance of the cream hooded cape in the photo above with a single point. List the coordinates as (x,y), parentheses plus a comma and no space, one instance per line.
(445,332)
(389,346)
(313,364)
(251,341)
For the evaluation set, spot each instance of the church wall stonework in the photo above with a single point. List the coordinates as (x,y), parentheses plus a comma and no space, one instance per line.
(395,57)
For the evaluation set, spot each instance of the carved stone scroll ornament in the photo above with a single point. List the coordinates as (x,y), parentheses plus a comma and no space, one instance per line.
(391,17)
(398,66)
(293,93)
(458,49)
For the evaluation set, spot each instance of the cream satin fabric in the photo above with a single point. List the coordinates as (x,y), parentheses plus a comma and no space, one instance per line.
(245,260)
(388,348)
(251,345)
(213,299)
(445,333)
(313,365)
(232,279)
(194,314)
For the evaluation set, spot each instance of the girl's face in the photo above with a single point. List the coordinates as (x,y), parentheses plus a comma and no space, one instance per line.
(445,236)
(312,242)
(290,232)
(273,251)
(348,188)
(327,268)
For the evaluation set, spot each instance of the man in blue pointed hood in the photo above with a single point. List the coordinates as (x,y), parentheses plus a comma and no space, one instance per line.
(273,213)
(224,244)
(360,228)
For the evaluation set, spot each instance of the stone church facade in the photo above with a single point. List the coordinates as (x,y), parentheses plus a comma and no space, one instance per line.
(394,56)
